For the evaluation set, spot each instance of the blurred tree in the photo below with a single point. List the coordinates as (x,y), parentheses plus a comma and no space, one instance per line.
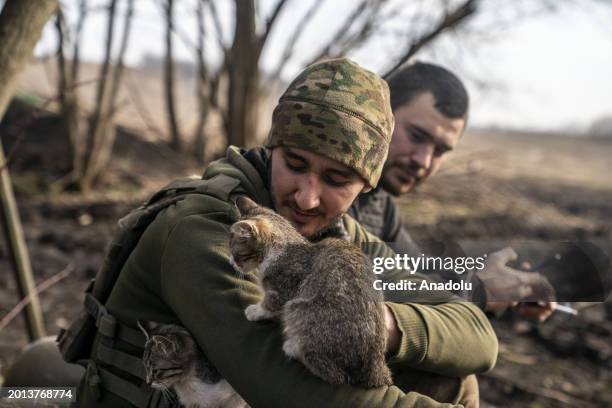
(21,23)
(90,149)
(235,87)
(242,65)
(202,89)
(68,73)
(169,79)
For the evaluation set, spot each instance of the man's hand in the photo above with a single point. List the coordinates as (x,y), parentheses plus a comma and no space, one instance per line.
(536,312)
(394,335)
(506,287)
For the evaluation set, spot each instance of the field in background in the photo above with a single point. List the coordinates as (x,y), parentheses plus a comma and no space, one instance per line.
(528,190)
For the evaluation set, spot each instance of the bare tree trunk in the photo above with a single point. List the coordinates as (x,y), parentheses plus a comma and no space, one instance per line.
(21,23)
(69,102)
(243,76)
(99,122)
(101,156)
(199,138)
(169,81)
(451,19)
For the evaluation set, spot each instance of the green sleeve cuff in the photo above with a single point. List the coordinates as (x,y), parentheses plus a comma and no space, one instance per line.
(413,345)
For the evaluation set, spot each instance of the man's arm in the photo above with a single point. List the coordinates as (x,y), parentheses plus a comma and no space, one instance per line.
(441,332)
(209,298)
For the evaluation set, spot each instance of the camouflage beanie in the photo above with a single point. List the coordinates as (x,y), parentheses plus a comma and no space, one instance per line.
(339,110)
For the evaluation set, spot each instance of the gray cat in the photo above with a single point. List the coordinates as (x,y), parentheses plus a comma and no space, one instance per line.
(332,317)
(172,359)
(322,292)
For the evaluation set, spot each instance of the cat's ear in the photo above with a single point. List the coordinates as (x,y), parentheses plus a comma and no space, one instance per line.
(145,329)
(148,327)
(245,205)
(244,229)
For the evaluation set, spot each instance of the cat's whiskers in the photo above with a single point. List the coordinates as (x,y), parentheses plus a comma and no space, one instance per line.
(167,394)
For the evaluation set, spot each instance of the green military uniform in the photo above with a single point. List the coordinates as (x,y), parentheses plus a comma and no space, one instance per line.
(378,213)
(179,272)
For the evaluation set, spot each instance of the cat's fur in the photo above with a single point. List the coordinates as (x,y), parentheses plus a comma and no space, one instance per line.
(172,359)
(332,317)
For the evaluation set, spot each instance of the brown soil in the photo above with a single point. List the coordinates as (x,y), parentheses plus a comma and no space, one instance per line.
(530,191)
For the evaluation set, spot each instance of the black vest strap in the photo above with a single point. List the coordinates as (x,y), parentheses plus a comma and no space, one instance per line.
(102,380)
(109,326)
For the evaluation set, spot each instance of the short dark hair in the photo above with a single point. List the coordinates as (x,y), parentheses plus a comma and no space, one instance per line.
(451,97)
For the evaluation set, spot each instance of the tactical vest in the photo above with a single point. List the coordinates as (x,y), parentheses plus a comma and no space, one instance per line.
(76,342)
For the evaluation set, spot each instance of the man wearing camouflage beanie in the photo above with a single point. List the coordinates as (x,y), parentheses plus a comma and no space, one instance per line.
(328,142)
(340,111)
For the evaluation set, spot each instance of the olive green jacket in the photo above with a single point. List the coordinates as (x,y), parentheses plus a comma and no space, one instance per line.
(179,272)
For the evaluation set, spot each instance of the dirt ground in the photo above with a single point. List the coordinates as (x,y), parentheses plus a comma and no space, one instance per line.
(497,189)
(530,191)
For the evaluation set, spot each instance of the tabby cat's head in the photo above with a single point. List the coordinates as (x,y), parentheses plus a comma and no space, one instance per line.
(170,356)
(258,230)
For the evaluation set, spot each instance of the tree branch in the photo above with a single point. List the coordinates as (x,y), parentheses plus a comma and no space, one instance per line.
(202,69)
(119,66)
(214,13)
(450,20)
(361,8)
(7,318)
(169,80)
(76,57)
(299,30)
(199,139)
(60,26)
(110,29)
(270,22)
(364,32)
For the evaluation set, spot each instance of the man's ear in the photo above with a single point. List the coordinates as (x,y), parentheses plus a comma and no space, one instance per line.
(245,205)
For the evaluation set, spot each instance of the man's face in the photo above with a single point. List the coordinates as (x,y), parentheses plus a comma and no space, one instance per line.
(421,139)
(310,190)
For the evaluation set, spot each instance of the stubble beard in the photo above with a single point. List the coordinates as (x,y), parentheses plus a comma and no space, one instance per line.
(317,235)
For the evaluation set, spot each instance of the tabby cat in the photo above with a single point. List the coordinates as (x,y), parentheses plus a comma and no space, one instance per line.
(323,294)
(172,359)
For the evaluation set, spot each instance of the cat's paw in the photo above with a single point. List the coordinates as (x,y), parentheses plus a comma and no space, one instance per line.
(292,348)
(256,312)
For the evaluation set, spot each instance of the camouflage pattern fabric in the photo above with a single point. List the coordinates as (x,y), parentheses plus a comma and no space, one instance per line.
(339,110)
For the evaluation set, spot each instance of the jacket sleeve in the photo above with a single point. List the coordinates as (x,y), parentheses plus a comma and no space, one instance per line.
(441,332)
(209,298)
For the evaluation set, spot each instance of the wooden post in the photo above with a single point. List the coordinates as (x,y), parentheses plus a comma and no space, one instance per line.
(18,250)
(21,23)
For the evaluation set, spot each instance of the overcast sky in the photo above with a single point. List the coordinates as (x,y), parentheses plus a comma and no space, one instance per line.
(546,71)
